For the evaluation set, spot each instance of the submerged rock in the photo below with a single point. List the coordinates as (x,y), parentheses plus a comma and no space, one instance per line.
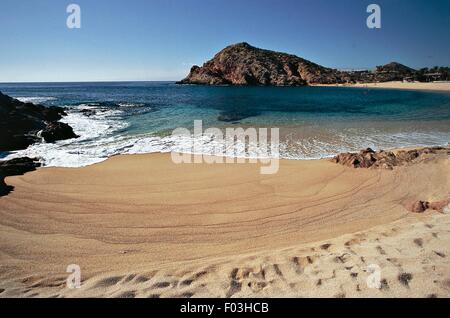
(235,116)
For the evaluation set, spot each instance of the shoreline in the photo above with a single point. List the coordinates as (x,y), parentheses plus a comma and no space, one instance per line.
(143,215)
(431,86)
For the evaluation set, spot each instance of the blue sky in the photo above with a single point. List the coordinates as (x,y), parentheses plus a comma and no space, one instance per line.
(161,39)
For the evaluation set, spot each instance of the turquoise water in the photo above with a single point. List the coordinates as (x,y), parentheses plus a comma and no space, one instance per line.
(314,122)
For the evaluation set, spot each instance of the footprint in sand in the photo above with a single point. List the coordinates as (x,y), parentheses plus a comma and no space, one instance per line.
(258,286)
(127,294)
(278,271)
(161,285)
(384,284)
(297,266)
(341,258)
(418,242)
(186,282)
(381,250)
(129,278)
(325,246)
(446,284)
(235,287)
(200,274)
(108,282)
(142,279)
(394,261)
(405,278)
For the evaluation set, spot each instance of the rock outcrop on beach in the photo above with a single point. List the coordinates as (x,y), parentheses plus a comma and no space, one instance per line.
(22,122)
(57,131)
(369,158)
(15,167)
(243,64)
(418,206)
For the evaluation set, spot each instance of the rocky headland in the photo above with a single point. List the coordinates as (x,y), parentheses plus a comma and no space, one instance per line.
(243,64)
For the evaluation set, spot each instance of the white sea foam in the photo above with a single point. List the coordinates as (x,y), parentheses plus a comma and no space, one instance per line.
(36,99)
(130,104)
(102,134)
(101,123)
(96,132)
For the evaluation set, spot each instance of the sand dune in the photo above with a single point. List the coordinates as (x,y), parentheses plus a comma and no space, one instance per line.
(141,226)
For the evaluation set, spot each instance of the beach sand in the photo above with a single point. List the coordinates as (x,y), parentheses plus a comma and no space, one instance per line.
(142,226)
(433,86)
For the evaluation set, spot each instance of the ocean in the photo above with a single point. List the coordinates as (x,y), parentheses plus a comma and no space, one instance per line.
(314,122)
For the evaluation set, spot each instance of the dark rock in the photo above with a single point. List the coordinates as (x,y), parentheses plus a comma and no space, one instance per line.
(234,116)
(58,131)
(88,112)
(22,121)
(4,188)
(230,117)
(15,167)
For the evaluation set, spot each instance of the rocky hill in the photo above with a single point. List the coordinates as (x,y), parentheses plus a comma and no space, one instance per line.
(395,67)
(393,72)
(243,64)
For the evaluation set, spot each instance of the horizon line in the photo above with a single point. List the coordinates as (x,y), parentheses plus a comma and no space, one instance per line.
(89,81)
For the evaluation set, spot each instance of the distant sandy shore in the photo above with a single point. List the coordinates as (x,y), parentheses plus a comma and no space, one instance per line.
(435,86)
(142,226)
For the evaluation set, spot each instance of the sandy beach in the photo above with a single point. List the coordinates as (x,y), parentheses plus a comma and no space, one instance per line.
(432,86)
(142,226)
